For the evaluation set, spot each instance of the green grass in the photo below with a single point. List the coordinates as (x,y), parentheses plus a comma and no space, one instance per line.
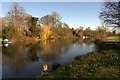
(113,39)
(104,64)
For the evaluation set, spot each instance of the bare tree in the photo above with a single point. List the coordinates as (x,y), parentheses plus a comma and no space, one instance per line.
(52,20)
(16,17)
(110,14)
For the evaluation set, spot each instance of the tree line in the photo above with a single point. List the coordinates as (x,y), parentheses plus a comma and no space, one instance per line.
(19,24)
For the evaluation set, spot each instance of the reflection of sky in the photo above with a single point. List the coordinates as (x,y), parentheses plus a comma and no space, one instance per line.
(76,50)
(34,69)
(9,71)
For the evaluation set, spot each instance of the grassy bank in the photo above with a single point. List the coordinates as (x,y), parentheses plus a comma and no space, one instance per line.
(103,64)
(113,39)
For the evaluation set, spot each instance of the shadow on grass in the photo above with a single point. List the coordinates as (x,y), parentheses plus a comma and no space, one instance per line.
(102,45)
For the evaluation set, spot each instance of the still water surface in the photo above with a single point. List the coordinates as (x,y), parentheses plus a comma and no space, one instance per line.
(25,60)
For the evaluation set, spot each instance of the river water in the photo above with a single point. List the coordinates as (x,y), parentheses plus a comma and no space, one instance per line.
(25,59)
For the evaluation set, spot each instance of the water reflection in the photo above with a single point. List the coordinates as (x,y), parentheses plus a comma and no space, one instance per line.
(53,49)
(22,59)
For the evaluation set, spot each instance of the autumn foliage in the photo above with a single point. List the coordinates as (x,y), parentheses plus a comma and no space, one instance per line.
(44,31)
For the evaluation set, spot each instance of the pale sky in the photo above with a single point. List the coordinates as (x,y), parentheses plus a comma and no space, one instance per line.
(75,14)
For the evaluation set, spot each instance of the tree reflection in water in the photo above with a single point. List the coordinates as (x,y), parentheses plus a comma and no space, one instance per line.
(51,50)
(20,55)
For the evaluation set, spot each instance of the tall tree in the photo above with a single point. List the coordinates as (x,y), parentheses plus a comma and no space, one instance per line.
(87,32)
(80,32)
(66,30)
(101,32)
(45,20)
(16,17)
(34,28)
(56,19)
(110,14)
(52,20)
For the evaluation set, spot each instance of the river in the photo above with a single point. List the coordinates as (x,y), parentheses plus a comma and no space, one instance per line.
(25,59)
